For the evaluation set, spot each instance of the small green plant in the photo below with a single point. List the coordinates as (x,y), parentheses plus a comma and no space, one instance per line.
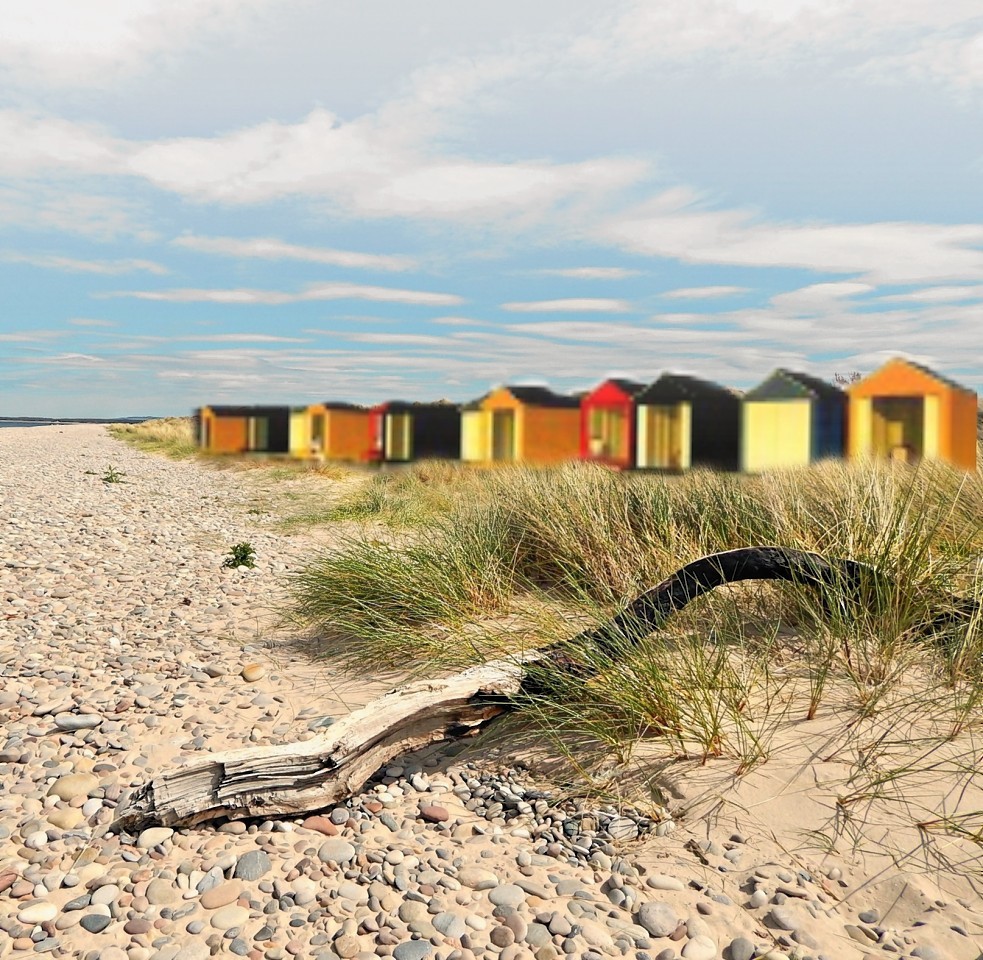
(112,475)
(241,555)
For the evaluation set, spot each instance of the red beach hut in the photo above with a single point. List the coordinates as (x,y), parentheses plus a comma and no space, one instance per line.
(607,423)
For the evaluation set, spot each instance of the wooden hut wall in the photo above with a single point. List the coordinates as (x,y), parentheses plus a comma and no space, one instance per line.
(776,433)
(475,436)
(224,433)
(548,434)
(828,428)
(346,433)
(437,432)
(715,432)
(300,432)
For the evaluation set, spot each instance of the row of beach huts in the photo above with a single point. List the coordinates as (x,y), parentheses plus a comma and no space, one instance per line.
(902,411)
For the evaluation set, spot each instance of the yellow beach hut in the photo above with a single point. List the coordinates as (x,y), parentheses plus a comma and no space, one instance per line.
(904,411)
(791,420)
(521,424)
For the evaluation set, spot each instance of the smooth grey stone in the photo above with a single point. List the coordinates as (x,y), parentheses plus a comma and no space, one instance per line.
(252,865)
(95,922)
(413,950)
(740,949)
(658,918)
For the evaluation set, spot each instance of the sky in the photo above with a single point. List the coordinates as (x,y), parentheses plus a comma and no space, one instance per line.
(290,201)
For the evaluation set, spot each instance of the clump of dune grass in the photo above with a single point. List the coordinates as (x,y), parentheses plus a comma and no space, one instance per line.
(411,495)
(564,548)
(171,436)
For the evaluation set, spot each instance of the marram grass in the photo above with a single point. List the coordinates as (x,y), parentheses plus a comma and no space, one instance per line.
(171,436)
(556,550)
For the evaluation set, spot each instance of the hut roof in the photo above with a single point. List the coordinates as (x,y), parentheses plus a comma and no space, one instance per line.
(920,368)
(533,396)
(243,411)
(791,384)
(674,387)
(341,405)
(543,397)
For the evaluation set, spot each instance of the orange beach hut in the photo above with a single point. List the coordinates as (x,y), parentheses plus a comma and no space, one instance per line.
(528,424)
(338,431)
(229,429)
(904,411)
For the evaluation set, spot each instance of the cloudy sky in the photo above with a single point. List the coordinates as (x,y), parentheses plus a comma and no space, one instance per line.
(235,201)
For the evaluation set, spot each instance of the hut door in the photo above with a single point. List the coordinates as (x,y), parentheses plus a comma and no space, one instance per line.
(259,433)
(398,436)
(608,433)
(503,435)
(899,428)
(317,433)
(669,443)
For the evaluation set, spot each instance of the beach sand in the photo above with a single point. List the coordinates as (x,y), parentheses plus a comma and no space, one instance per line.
(122,645)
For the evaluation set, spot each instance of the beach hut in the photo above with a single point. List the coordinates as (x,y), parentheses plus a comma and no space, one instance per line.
(607,423)
(232,429)
(905,411)
(399,432)
(527,424)
(338,431)
(791,420)
(687,422)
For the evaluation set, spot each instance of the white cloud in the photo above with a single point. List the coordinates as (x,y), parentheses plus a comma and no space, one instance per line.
(673,226)
(571,305)
(316,291)
(703,293)
(368,167)
(935,295)
(819,297)
(590,273)
(880,40)
(90,322)
(64,43)
(268,248)
(235,338)
(33,206)
(31,336)
(459,322)
(72,265)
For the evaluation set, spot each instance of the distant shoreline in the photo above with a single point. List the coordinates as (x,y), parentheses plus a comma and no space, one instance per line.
(41,421)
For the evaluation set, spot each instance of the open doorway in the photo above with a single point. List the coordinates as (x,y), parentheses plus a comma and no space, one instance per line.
(898,429)
(503,434)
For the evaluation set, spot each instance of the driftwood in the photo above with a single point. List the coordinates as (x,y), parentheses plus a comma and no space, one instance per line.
(301,777)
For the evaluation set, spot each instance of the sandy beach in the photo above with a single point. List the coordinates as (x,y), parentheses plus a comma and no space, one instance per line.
(124,646)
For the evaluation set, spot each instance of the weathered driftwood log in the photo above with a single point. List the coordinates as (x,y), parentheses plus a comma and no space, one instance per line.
(300,777)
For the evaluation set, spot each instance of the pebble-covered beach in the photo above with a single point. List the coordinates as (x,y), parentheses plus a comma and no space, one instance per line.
(125,645)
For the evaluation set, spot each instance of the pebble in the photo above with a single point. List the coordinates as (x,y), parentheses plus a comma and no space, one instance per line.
(253,672)
(73,785)
(37,912)
(252,865)
(658,918)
